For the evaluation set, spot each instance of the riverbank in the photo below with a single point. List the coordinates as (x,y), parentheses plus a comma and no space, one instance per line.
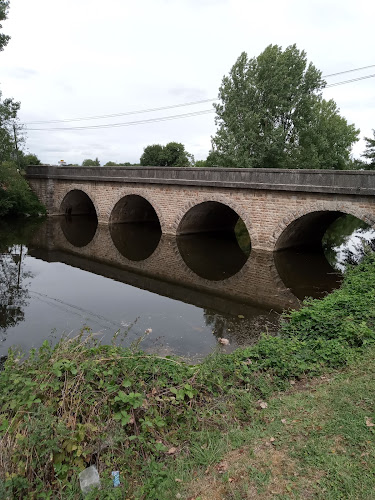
(164,424)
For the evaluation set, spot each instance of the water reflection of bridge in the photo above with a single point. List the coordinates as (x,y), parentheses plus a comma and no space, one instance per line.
(164,271)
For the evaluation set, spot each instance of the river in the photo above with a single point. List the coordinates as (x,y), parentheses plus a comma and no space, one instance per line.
(60,275)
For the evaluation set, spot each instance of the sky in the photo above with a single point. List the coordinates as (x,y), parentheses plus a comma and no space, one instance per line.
(81,58)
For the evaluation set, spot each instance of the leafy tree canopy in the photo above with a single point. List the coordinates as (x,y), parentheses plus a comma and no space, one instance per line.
(8,123)
(200,163)
(4,39)
(16,196)
(171,155)
(28,159)
(152,155)
(272,114)
(91,163)
(369,153)
(114,164)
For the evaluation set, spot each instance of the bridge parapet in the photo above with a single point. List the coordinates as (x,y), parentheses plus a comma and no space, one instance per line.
(270,179)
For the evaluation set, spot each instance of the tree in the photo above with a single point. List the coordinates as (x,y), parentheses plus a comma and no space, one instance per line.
(200,164)
(369,153)
(171,155)
(152,155)
(272,114)
(28,159)
(10,130)
(91,163)
(4,39)
(16,196)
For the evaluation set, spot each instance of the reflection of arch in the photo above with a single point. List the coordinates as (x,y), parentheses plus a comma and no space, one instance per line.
(135,227)
(305,229)
(207,242)
(136,242)
(133,208)
(77,202)
(80,230)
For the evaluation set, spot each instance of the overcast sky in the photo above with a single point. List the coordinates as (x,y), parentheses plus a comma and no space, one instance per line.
(81,58)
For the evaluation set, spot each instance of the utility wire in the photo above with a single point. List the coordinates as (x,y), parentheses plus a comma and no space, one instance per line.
(150,110)
(349,71)
(127,124)
(126,113)
(349,81)
(171,117)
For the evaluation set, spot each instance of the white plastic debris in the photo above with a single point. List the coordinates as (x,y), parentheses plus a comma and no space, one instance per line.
(89,479)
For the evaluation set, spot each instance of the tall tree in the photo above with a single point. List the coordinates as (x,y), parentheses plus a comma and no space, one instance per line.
(10,130)
(272,114)
(369,153)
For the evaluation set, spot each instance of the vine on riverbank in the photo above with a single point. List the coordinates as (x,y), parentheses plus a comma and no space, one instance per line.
(80,403)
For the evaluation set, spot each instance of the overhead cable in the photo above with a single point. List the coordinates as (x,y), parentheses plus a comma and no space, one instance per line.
(150,110)
(127,124)
(349,81)
(171,117)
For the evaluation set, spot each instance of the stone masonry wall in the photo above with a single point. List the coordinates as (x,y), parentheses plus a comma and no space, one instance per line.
(266,213)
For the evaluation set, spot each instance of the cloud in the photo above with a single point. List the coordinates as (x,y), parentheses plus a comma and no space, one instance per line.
(21,73)
(188,93)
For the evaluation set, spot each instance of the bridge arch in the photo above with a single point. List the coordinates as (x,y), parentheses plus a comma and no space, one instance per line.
(132,205)
(197,216)
(306,228)
(77,201)
(133,208)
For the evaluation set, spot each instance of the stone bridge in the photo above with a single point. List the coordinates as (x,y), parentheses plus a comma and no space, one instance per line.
(280,208)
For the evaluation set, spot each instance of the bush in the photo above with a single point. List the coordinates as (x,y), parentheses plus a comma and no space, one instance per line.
(16,197)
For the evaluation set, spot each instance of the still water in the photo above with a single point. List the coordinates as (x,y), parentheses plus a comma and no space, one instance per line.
(59,275)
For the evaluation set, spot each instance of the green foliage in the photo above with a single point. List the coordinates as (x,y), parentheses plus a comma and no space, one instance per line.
(91,163)
(272,114)
(4,39)
(347,315)
(200,164)
(8,121)
(171,155)
(114,164)
(369,153)
(152,156)
(28,159)
(78,403)
(16,197)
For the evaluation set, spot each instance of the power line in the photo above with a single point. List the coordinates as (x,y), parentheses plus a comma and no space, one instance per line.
(349,71)
(150,110)
(349,81)
(171,117)
(127,124)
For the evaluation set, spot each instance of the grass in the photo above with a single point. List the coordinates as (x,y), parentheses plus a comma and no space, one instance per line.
(290,417)
(314,442)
